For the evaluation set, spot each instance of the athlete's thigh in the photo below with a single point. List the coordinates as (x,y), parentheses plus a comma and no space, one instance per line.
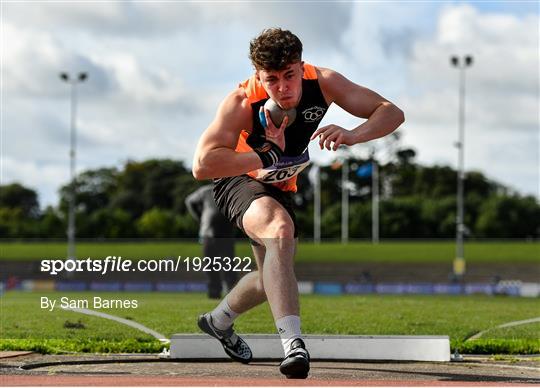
(262,216)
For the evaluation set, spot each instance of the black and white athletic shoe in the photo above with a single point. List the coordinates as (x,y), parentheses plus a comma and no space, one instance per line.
(296,363)
(233,345)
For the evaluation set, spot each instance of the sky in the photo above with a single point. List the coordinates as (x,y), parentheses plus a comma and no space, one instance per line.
(158,70)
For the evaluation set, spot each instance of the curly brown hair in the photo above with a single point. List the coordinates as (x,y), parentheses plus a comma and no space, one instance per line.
(275,49)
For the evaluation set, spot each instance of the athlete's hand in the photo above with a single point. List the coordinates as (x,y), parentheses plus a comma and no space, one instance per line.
(333,134)
(273,133)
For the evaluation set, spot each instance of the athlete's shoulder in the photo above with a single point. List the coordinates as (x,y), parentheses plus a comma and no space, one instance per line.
(234,110)
(325,74)
(331,83)
(236,99)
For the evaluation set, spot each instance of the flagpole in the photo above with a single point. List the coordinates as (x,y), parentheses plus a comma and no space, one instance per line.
(345,202)
(375,203)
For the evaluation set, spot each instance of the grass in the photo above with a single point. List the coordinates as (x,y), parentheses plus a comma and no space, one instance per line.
(417,252)
(526,331)
(24,326)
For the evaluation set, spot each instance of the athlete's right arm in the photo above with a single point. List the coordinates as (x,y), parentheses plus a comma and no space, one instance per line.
(215,156)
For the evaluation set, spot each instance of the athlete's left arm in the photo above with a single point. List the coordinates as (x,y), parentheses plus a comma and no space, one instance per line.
(382,116)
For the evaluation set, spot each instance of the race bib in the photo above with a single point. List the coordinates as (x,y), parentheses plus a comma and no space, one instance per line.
(285,168)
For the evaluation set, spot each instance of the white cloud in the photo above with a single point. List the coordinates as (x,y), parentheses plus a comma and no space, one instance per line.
(501,95)
(148,20)
(32,63)
(158,71)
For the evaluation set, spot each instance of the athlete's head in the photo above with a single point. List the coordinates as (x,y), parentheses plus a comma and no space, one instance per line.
(276,55)
(274,49)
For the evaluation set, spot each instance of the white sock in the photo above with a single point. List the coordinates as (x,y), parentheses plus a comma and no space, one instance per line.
(289,329)
(222,316)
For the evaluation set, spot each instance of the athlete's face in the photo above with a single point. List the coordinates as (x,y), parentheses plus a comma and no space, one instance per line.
(283,86)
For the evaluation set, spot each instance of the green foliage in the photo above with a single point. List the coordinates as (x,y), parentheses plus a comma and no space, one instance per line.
(331,221)
(13,222)
(146,199)
(51,224)
(16,196)
(157,223)
(509,216)
(111,223)
(360,220)
(401,217)
(94,189)
(497,346)
(439,217)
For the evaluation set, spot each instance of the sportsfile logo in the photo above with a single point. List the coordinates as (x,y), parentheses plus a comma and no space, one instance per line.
(313,114)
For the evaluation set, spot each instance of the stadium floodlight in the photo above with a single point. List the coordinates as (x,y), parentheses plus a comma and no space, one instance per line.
(459,261)
(81,77)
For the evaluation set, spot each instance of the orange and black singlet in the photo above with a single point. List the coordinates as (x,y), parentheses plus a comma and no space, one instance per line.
(309,113)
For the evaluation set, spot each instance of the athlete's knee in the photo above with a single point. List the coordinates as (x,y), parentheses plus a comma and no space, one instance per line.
(280,228)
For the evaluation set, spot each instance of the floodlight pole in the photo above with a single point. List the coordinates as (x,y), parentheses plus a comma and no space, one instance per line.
(459,261)
(72,158)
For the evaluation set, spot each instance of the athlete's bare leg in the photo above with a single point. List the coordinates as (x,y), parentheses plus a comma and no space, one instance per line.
(268,223)
(249,291)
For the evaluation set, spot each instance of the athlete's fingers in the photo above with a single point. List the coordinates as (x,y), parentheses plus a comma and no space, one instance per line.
(331,138)
(319,131)
(321,140)
(284,123)
(270,127)
(269,122)
(324,135)
(338,142)
(328,139)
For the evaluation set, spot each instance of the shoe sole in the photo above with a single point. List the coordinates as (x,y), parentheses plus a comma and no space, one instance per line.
(203,325)
(297,369)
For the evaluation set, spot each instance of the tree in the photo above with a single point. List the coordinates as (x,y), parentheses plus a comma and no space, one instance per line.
(153,183)
(504,217)
(52,224)
(157,223)
(94,189)
(16,196)
(400,218)
(438,217)
(111,223)
(405,156)
(360,222)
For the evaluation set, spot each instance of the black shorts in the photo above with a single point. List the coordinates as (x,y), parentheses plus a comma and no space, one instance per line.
(233,195)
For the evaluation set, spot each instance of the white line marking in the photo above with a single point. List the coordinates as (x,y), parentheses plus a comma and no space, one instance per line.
(127,322)
(509,324)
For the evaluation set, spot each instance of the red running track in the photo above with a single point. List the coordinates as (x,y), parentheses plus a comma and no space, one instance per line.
(137,381)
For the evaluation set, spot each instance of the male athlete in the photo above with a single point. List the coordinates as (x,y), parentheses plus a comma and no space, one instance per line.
(255,162)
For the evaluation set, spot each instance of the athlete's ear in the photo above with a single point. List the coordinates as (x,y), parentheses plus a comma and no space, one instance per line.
(302,66)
